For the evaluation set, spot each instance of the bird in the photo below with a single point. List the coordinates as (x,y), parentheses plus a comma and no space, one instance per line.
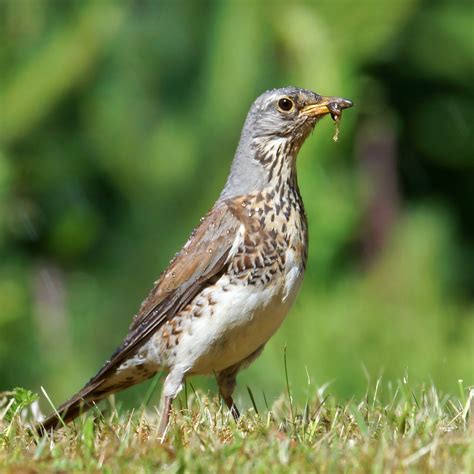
(228,290)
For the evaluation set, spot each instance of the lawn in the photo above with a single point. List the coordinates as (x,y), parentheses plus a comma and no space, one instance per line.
(394,428)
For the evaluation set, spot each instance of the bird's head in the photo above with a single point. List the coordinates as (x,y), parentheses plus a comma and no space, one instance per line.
(290,114)
(277,125)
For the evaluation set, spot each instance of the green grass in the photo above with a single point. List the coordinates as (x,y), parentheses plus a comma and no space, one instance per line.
(394,428)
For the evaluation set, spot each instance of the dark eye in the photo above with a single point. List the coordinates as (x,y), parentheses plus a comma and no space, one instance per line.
(286,104)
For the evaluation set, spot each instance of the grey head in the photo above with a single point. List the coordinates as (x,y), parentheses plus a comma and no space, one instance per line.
(278,123)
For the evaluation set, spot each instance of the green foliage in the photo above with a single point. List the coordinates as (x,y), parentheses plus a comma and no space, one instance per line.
(118,122)
(16,401)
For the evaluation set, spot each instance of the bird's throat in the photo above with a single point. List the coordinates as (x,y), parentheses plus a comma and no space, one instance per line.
(278,159)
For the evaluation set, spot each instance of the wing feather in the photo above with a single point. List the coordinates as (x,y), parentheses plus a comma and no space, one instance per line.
(204,256)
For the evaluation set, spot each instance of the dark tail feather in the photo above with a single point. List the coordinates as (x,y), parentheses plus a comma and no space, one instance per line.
(98,388)
(75,406)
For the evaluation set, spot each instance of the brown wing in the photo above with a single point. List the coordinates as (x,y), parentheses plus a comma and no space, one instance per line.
(200,261)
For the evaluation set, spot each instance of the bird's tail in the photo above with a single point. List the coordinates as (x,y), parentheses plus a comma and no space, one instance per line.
(72,408)
(94,391)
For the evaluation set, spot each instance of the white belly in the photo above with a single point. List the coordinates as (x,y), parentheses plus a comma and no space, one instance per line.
(242,319)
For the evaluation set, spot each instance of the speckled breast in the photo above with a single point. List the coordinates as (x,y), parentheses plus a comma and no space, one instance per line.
(236,315)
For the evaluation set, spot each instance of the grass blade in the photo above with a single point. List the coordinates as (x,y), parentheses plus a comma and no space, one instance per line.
(253,399)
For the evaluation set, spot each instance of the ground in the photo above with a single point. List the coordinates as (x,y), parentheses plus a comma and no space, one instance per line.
(394,428)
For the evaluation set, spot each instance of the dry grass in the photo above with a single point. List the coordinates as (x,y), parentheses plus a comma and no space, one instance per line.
(393,429)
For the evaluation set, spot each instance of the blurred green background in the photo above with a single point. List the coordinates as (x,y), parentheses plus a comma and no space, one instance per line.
(119,120)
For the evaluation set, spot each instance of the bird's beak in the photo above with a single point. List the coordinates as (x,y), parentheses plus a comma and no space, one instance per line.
(327,105)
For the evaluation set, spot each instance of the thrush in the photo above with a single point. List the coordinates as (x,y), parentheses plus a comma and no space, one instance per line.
(230,287)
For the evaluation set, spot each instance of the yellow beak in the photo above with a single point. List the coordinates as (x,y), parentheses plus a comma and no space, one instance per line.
(327,105)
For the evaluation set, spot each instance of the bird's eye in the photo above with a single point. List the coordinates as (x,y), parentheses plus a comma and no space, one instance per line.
(286,104)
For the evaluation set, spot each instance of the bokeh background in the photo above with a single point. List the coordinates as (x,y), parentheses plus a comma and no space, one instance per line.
(119,120)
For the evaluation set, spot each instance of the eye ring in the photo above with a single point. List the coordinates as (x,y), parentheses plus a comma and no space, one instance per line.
(285,104)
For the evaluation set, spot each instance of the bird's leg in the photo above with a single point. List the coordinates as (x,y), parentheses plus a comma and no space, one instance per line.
(227,382)
(232,407)
(172,386)
(165,417)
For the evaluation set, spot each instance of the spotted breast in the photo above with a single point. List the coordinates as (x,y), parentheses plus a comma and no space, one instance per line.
(242,309)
